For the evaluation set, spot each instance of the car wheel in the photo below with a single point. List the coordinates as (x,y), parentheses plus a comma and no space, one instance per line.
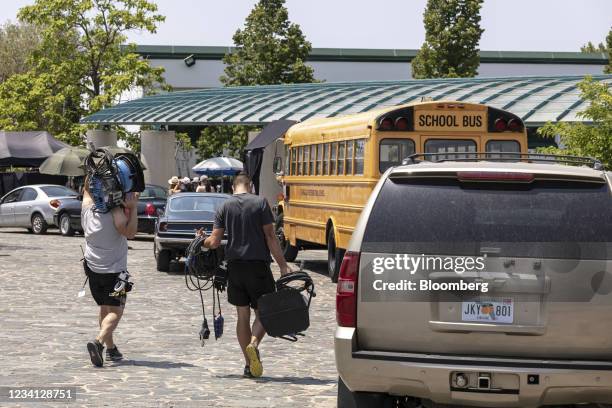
(39,225)
(334,256)
(163,260)
(290,252)
(65,227)
(350,399)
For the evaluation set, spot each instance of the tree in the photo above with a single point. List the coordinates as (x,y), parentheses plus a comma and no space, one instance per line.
(83,61)
(17,42)
(270,49)
(607,49)
(590,48)
(587,139)
(214,140)
(452,34)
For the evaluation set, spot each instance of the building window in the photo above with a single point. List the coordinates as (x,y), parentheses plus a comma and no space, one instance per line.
(341,158)
(359,151)
(334,155)
(325,159)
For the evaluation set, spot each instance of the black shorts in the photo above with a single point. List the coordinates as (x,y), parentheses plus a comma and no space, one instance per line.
(248,281)
(102,285)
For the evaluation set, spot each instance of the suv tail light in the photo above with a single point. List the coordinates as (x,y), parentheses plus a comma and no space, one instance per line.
(346,291)
(150,210)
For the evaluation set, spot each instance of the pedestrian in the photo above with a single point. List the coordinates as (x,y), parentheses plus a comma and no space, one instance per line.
(106,251)
(247,220)
(195,182)
(174,185)
(185,185)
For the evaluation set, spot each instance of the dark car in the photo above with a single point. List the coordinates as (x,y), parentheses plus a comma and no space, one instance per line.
(152,201)
(175,229)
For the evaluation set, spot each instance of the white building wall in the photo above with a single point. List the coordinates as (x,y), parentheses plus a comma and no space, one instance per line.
(206,73)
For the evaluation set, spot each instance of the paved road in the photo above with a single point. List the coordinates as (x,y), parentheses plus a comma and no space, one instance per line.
(45,328)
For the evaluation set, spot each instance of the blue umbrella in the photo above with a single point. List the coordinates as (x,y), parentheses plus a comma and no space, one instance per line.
(219,166)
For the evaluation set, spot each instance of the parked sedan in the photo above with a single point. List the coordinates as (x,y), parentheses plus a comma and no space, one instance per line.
(33,207)
(152,201)
(175,229)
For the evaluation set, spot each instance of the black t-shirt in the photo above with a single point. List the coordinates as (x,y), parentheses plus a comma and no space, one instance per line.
(243,217)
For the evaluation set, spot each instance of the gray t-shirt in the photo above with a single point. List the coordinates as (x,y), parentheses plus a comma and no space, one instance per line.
(105,249)
(243,217)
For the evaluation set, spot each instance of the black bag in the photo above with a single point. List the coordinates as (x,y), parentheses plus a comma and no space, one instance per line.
(284,313)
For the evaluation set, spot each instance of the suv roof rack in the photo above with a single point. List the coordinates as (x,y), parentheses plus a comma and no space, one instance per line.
(504,157)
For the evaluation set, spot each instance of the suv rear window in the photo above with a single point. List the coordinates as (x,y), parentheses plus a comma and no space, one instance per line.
(446,217)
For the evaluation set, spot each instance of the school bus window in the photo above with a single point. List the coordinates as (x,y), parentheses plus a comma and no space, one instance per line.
(341,158)
(325,159)
(287,159)
(300,159)
(359,148)
(501,146)
(313,156)
(319,158)
(393,151)
(293,157)
(459,148)
(349,157)
(332,162)
(306,160)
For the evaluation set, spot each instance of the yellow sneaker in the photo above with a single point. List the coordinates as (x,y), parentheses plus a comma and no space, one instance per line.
(254,361)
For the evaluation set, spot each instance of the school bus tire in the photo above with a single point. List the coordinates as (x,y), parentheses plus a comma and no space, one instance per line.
(290,252)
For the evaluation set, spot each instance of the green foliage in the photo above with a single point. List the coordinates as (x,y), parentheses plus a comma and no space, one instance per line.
(590,47)
(17,42)
(270,49)
(215,139)
(452,34)
(587,139)
(607,48)
(81,59)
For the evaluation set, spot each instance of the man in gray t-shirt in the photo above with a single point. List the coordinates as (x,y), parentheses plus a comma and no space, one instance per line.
(248,222)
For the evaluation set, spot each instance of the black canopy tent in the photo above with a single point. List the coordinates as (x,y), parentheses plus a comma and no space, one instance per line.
(254,150)
(27,149)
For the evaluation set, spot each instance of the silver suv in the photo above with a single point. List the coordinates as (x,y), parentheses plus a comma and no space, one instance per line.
(479,283)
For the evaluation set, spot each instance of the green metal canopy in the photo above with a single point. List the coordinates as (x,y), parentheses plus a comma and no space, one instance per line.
(536,99)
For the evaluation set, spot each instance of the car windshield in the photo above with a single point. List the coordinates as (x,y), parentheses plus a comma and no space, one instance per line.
(196,203)
(58,191)
(153,192)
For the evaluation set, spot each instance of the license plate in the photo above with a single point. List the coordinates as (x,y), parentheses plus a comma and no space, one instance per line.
(490,311)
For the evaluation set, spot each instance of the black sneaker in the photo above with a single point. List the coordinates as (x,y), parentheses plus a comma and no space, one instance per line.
(95,348)
(113,354)
(247,372)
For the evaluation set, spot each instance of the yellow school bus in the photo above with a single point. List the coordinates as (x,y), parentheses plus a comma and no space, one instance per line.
(332,164)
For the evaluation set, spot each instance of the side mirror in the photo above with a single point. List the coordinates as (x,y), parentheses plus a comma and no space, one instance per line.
(79,197)
(160,212)
(277,165)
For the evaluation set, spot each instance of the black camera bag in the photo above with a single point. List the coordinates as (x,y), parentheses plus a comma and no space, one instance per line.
(284,313)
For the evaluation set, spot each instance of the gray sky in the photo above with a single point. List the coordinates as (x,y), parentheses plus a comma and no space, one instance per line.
(524,25)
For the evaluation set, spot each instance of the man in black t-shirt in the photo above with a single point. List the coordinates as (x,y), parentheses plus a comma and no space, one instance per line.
(247,219)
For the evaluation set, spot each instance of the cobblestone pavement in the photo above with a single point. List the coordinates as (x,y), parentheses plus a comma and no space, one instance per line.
(44,329)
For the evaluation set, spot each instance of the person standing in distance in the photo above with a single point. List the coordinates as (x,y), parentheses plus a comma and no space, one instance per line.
(247,219)
(106,251)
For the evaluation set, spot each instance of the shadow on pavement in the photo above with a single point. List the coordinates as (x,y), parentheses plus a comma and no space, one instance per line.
(316,266)
(152,364)
(282,380)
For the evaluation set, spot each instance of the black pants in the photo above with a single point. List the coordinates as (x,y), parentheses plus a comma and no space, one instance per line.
(248,281)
